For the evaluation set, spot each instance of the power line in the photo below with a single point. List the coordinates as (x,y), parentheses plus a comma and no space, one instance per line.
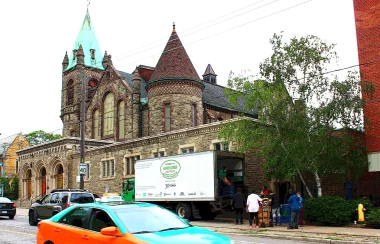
(99,65)
(186,30)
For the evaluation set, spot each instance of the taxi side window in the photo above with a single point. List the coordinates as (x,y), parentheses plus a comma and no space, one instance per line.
(46,199)
(76,217)
(54,198)
(100,219)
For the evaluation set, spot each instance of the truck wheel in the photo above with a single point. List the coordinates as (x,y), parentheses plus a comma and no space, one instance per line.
(183,210)
(206,214)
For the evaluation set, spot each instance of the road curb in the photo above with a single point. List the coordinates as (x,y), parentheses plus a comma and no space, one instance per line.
(311,239)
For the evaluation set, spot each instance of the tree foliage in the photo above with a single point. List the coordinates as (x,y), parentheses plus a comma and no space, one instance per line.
(40,137)
(299,107)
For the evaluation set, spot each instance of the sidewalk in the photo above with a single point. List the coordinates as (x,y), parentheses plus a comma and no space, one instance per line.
(318,234)
(309,233)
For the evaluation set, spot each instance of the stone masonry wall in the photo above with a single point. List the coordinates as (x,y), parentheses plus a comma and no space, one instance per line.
(201,138)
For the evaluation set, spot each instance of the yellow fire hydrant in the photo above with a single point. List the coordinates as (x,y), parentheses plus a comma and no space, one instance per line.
(361,210)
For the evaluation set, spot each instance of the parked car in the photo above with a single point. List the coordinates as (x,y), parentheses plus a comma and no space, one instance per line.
(122,222)
(7,207)
(56,201)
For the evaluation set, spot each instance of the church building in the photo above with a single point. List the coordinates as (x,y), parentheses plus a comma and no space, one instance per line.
(150,112)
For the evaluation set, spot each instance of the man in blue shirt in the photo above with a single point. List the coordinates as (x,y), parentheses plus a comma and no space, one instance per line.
(295,202)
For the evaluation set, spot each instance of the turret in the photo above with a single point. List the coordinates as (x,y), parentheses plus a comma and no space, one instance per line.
(65,62)
(105,60)
(136,105)
(209,75)
(80,57)
(174,90)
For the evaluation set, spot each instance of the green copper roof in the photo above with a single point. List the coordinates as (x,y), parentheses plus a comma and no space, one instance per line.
(87,39)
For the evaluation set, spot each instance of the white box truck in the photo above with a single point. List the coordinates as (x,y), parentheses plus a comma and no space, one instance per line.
(187,183)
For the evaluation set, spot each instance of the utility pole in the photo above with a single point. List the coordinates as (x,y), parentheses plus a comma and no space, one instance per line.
(3,157)
(82,129)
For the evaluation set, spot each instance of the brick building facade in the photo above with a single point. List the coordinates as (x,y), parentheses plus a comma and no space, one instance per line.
(367,22)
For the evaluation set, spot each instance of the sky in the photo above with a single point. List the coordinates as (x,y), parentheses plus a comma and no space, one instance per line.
(229,35)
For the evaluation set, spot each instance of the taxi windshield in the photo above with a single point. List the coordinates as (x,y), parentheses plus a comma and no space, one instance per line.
(149,219)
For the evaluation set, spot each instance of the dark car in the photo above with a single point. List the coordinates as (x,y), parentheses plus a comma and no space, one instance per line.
(7,207)
(56,201)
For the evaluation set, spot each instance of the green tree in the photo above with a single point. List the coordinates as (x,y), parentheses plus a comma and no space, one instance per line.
(40,136)
(300,106)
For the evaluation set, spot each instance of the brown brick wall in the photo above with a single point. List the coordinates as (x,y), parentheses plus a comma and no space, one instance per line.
(367,21)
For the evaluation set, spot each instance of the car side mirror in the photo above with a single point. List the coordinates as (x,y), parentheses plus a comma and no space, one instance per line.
(111,231)
(38,201)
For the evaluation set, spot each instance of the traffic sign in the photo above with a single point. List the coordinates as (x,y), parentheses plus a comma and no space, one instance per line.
(82,169)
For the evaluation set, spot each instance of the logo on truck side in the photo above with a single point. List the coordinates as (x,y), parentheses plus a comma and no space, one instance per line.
(170,169)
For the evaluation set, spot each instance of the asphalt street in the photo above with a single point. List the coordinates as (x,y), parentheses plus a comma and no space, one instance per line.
(18,231)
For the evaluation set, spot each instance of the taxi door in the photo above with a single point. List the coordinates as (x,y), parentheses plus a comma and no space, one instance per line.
(71,228)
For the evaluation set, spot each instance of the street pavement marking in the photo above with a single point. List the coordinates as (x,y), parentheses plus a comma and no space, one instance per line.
(17,232)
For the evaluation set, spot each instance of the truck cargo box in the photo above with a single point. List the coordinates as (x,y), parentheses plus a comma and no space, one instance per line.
(186,177)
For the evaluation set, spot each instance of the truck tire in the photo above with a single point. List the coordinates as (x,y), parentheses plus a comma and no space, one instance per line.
(206,213)
(183,210)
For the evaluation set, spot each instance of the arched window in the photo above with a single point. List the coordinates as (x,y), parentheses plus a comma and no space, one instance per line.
(121,116)
(95,125)
(70,92)
(108,115)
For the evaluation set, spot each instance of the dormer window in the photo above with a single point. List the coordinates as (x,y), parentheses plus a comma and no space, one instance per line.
(92,53)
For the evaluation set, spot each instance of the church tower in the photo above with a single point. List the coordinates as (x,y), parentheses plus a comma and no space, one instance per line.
(84,64)
(174,90)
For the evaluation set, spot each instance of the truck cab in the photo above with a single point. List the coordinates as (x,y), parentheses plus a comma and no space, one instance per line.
(129,190)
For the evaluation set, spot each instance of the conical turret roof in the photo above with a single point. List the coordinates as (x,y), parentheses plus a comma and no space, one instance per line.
(209,70)
(87,39)
(174,61)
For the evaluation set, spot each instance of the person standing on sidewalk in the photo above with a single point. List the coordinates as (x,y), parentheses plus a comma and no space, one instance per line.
(295,206)
(253,207)
(239,202)
(274,202)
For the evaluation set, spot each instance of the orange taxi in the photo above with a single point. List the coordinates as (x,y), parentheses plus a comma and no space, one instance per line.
(122,222)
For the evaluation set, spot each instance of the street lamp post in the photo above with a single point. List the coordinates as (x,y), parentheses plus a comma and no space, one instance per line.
(82,128)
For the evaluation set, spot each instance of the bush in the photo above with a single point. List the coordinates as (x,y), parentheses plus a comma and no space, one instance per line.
(10,187)
(373,218)
(328,211)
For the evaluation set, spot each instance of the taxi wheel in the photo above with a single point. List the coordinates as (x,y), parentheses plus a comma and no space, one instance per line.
(183,210)
(32,218)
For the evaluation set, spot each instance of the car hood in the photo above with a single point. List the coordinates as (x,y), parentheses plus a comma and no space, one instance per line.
(184,236)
